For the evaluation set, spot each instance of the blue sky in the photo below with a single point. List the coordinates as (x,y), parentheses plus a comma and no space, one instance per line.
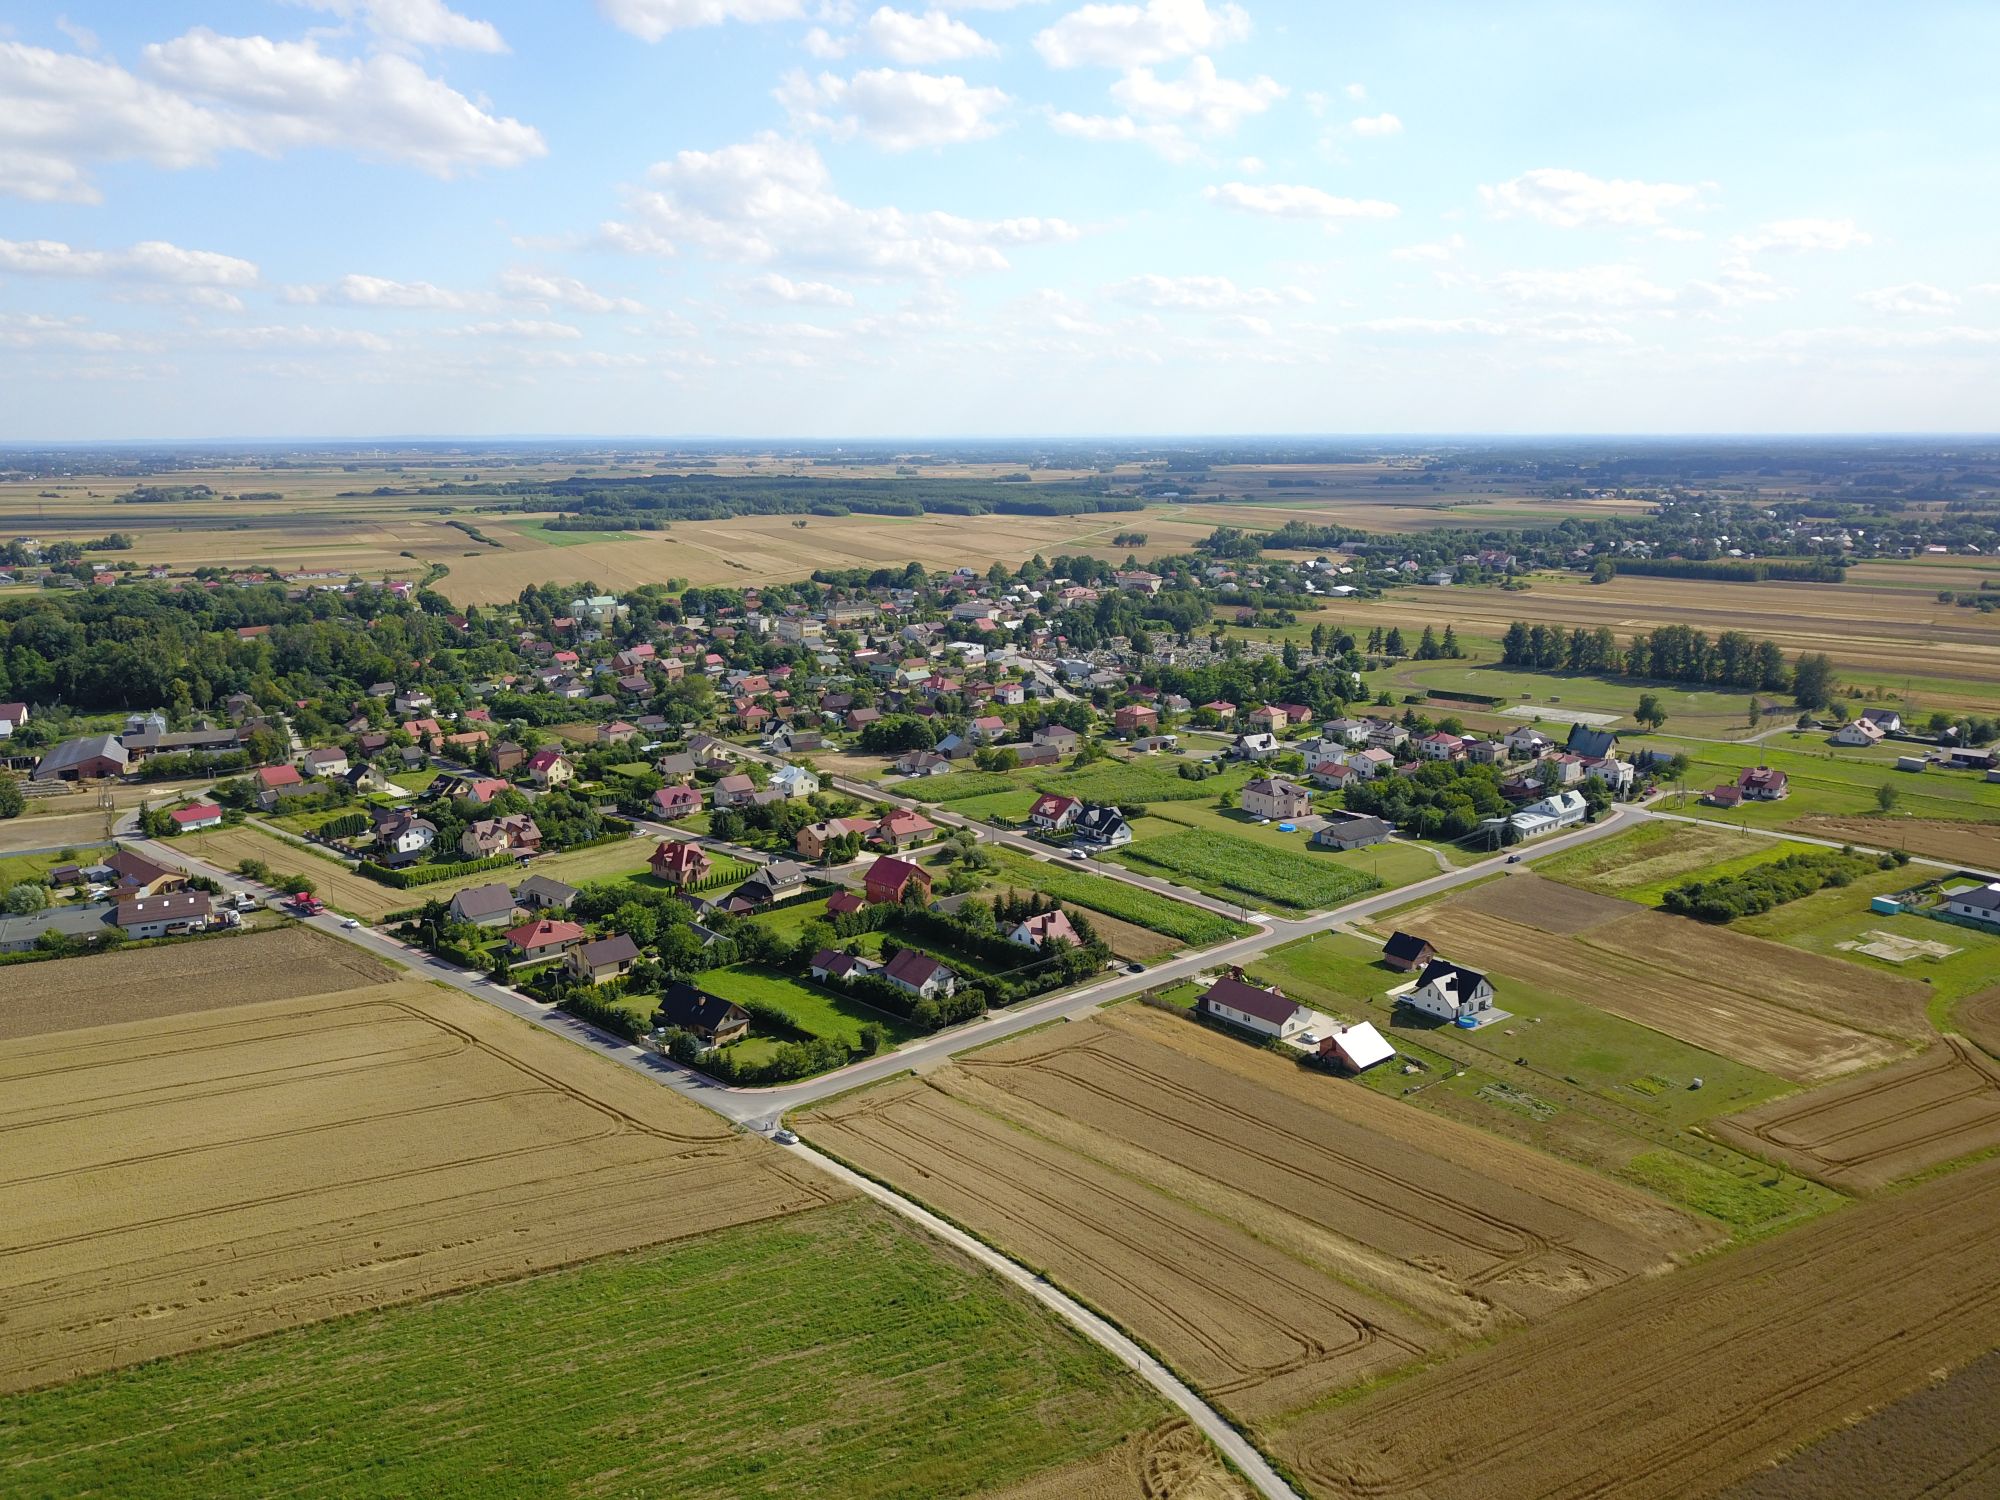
(819,218)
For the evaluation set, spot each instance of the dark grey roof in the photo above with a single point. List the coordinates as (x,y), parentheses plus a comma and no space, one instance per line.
(1592,744)
(546,888)
(696,1010)
(1986,898)
(479,901)
(618,948)
(1266,1005)
(73,753)
(1443,968)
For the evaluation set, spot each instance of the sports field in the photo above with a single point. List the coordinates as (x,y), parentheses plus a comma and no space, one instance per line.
(270,1165)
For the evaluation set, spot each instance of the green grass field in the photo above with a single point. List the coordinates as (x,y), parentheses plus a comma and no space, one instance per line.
(1826,782)
(1189,925)
(34,868)
(829,1352)
(539,531)
(817,1011)
(1238,869)
(1126,783)
(1644,863)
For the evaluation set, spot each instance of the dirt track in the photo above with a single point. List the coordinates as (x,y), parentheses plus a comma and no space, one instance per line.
(176,1184)
(1171,1462)
(1679,1386)
(139,984)
(1978,1016)
(1757,1002)
(1277,1235)
(1866,1132)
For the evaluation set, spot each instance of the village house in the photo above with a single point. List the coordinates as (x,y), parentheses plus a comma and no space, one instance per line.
(195,815)
(1863,732)
(919,974)
(793,782)
(1053,813)
(732,790)
(1406,951)
(1040,930)
(1762,784)
(680,863)
(1274,797)
(549,768)
(672,803)
(325,761)
(780,880)
(1356,1048)
(1350,831)
(1135,719)
(1451,993)
(1980,904)
(515,834)
(1559,810)
(603,959)
(1103,828)
(1058,737)
(169,914)
(545,937)
(901,829)
(1258,746)
(814,839)
(712,1020)
(1235,1001)
(890,880)
(544,893)
(922,763)
(1441,746)
(831,966)
(484,906)
(400,835)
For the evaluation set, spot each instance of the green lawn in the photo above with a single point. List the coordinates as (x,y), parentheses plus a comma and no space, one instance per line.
(1828,782)
(1244,870)
(1190,925)
(829,1352)
(16,868)
(814,1009)
(1644,863)
(1010,806)
(539,531)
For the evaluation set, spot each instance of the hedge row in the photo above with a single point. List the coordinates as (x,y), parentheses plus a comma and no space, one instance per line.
(402,880)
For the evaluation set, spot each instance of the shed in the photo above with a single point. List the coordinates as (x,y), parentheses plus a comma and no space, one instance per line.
(1357,1048)
(1888,906)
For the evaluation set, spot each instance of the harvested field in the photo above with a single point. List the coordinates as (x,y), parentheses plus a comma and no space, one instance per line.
(1789,1013)
(141,984)
(1868,1131)
(51,830)
(1171,1462)
(1543,904)
(1678,1386)
(1974,844)
(1130,941)
(1978,1016)
(277,1164)
(1278,1236)
(1655,855)
(1940,1444)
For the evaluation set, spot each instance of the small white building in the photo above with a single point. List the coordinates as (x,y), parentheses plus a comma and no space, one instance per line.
(794,782)
(1451,993)
(1546,816)
(1357,1048)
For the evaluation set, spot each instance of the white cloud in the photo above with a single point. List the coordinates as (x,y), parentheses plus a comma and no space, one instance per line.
(771,287)
(1356,92)
(1204,294)
(357,290)
(1169,140)
(1134,36)
(932,37)
(82,36)
(38,330)
(771,201)
(562,291)
(1576,200)
(1199,98)
(1736,284)
(417,23)
(1611,286)
(1376,125)
(206,94)
(1297,201)
(896,110)
(649,20)
(821,43)
(1798,235)
(150,261)
(1437,250)
(296,335)
(517,328)
(1911,299)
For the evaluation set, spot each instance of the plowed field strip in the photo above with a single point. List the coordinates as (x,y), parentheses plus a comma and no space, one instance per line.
(1686,1383)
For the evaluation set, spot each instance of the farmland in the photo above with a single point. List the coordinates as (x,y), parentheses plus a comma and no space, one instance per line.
(272,1165)
(1190,926)
(1797,1015)
(830,1351)
(1939,1444)
(139,984)
(1240,871)
(1866,1132)
(1642,864)
(1688,1382)
(1134,1158)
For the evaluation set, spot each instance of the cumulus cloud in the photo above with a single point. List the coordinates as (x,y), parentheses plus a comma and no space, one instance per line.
(649,20)
(932,37)
(1200,99)
(1376,125)
(1799,235)
(149,260)
(1437,251)
(204,94)
(1204,294)
(296,335)
(1911,299)
(1169,140)
(771,287)
(517,328)
(1576,200)
(894,109)
(1281,200)
(1136,36)
(40,331)
(1611,286)
(771,201)
(358,290)
(552,290)
(417,23)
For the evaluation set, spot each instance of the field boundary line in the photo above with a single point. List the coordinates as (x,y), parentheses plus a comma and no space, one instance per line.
(1107,1336)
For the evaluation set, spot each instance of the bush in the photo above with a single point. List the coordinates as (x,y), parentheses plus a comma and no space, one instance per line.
(413,875)
(1774,884)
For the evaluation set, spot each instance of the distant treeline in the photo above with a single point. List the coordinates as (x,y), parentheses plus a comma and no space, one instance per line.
(1732,569)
